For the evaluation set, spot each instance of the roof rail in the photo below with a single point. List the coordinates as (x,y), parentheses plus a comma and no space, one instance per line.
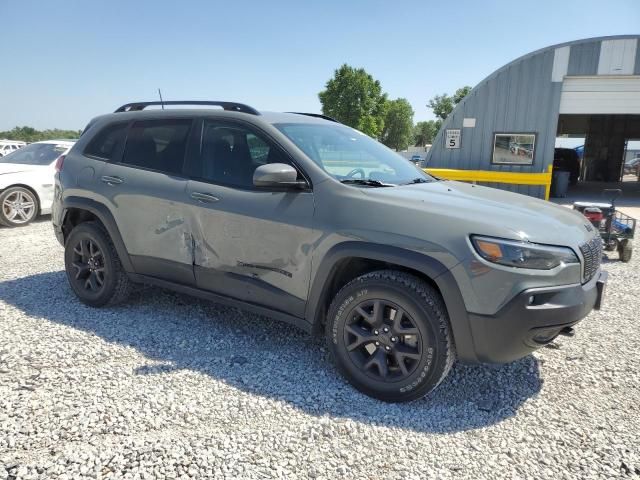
(316,115)
(230,106)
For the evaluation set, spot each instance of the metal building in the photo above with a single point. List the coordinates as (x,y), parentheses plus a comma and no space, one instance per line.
(510,121)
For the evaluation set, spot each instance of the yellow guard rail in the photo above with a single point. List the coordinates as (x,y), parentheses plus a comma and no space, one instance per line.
(516,178)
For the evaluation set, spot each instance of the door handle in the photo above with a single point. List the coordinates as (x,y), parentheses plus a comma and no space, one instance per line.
(112,180)
(204,197)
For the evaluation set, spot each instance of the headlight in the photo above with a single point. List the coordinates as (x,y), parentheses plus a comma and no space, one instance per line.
(513,253)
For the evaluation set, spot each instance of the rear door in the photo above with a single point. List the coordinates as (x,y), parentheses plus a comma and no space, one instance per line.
(251,244)
(145,189)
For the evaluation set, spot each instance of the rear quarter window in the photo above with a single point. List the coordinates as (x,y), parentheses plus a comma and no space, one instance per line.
(108,142)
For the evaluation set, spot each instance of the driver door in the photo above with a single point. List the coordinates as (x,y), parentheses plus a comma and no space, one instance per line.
(251,244)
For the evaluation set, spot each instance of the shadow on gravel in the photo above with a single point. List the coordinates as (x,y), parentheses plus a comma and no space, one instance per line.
(263,357)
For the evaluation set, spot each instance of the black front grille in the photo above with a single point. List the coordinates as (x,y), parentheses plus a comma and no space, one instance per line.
(592,253)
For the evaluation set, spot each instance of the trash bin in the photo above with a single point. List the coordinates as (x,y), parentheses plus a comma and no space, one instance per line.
(560,183)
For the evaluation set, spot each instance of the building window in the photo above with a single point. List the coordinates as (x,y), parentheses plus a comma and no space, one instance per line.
(513,148)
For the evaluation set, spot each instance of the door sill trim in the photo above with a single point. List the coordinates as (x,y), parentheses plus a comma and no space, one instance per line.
(213,297)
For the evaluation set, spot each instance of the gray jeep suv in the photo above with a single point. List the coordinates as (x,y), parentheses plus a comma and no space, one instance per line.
(301,218)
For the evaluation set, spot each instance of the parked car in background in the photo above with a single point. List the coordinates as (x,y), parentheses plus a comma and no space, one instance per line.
(9,146)
(417,160)
(309,221)
(632,167)
(567,160)
(26,181)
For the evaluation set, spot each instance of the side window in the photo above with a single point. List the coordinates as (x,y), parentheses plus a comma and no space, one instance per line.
(157,145)
(231,153)
(108,142)
(258,149)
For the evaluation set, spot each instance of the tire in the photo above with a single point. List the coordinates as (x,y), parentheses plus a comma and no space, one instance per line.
(419,337)
(19,206)
(90,253)
(625,249)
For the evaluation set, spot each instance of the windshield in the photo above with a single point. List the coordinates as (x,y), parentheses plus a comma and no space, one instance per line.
(35,154)
(351,156)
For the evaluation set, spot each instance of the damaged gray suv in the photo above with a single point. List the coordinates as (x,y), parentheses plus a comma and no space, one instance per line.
(301,218)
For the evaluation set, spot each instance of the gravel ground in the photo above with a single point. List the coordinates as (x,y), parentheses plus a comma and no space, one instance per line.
(169,386)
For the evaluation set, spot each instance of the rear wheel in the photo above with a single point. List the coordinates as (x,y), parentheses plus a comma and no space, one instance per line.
(18,207)
(93,267)
(388,333)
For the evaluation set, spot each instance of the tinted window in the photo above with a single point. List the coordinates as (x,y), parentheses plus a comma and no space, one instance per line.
(35,154)
(108,142)
(157,145)
(230,154)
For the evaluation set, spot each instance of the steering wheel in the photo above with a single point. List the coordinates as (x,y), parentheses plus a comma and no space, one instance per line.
(355,171)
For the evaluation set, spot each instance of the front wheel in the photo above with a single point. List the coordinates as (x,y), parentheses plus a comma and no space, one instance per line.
(388,332)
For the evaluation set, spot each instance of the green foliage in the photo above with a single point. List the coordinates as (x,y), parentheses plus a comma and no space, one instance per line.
(30,134)
(355,98)
(442,105)
(460,94)
(425,132)
(398,124)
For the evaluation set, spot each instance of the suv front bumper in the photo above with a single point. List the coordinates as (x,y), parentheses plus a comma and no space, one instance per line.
(532,319)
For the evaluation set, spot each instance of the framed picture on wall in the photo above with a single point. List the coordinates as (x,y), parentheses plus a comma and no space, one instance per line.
(513,148)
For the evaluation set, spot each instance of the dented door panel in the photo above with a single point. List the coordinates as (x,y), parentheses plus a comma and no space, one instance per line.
(254,245)
(151,212)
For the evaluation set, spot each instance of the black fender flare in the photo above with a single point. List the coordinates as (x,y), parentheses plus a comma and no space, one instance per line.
(105,216)
(420,262)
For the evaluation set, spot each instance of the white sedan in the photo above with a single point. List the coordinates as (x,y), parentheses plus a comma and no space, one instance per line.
(26,181)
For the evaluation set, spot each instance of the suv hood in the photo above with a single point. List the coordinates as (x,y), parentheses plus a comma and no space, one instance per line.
(489,211)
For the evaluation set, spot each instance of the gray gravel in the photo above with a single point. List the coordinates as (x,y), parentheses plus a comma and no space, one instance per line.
(169,386)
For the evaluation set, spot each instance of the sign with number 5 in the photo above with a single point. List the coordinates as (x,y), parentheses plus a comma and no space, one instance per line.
(452,138)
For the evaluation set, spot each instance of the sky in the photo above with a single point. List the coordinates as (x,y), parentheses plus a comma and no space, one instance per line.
(66,61)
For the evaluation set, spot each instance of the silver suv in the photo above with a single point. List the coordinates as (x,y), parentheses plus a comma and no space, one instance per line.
(301,218)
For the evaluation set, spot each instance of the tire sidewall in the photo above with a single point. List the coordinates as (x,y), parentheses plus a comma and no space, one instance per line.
(94,233)
(9,191)
(430,367)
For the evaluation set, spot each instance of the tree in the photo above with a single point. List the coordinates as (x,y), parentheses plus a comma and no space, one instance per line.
(30,134)
(398,124)
(355,98)
(460,94)
(425,132)
(442,105)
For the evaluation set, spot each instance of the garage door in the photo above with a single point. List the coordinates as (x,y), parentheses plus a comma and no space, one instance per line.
(601,94)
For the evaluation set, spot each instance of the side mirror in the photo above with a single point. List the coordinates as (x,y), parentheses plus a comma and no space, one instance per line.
(279,175)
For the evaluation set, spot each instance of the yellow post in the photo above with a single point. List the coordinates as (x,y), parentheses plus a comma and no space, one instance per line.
(492,176)
(547,189)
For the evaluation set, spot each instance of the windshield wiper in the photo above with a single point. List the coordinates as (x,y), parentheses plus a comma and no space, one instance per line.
(368,183)
(417,180)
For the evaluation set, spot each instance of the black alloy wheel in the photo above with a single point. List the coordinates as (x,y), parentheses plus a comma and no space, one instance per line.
(388,332)
(93,266)
(383,340)
(88,262)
